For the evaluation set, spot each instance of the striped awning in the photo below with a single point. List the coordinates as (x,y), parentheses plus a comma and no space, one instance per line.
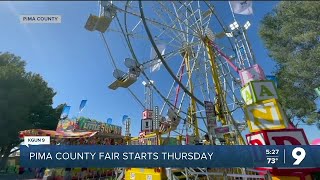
(57,134)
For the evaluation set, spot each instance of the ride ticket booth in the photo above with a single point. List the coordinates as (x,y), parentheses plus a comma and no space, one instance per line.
(84,131)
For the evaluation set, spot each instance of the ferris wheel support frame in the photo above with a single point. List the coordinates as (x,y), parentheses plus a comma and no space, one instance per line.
(219,93)
(193,110)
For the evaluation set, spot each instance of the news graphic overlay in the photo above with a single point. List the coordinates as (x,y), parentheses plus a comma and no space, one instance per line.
(40,19)
(169,156)
(274,155)
(36,140)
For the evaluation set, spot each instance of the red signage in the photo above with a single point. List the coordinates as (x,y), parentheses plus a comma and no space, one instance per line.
(210,113)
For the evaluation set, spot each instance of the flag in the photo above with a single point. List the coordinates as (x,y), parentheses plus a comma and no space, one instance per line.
(156,63)
(82,105)
(65,112)
(241,7)
(109,121)
(124,118)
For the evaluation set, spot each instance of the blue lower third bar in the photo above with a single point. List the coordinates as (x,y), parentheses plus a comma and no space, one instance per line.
(169,156)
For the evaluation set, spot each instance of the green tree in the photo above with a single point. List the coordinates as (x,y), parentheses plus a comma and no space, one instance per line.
(291,33)
(25,103)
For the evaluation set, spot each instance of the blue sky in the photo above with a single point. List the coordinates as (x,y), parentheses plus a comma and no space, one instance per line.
(74,62)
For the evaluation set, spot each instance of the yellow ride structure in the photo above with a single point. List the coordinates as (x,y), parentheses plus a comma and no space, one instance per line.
(146,173)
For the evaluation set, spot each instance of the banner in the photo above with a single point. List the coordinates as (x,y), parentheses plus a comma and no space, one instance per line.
(65,112)
(210,113)
(241,7)
(66,125)
(109,121)
(223,129)
(82,105)
(170,156)
(124,119)
(93,125)
(156,63)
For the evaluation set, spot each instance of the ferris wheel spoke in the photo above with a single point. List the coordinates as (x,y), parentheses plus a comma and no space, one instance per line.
(202,20)
(182,23)
(197,66)
(134,56)
(186,20)
(223,68)
(202,88)
(173,22)
(231,77)
(167,31)
(174,83)
(191,15)
(172,87)
(175,36)
(155,22)
(168,56)
(164,63)
(152,21)
(180,42)
(158,92)
(173,39)
(183,96)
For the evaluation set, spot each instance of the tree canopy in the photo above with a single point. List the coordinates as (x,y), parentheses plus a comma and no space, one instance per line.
(291,33)
(25,102)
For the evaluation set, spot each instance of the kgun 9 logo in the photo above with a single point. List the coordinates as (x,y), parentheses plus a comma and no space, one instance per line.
(30,140)
(36,140)
(298,154)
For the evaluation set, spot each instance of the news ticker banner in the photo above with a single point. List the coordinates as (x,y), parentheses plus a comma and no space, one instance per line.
(169,156)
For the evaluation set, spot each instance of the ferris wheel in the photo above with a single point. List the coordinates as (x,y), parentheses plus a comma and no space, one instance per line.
(187,58)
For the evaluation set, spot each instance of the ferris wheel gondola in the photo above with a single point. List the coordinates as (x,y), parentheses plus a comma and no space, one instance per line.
(126,79)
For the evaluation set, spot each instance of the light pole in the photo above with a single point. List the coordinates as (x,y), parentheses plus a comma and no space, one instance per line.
(243,47)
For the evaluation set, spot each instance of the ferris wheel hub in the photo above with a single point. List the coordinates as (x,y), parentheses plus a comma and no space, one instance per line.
(209,34)
(187,49)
